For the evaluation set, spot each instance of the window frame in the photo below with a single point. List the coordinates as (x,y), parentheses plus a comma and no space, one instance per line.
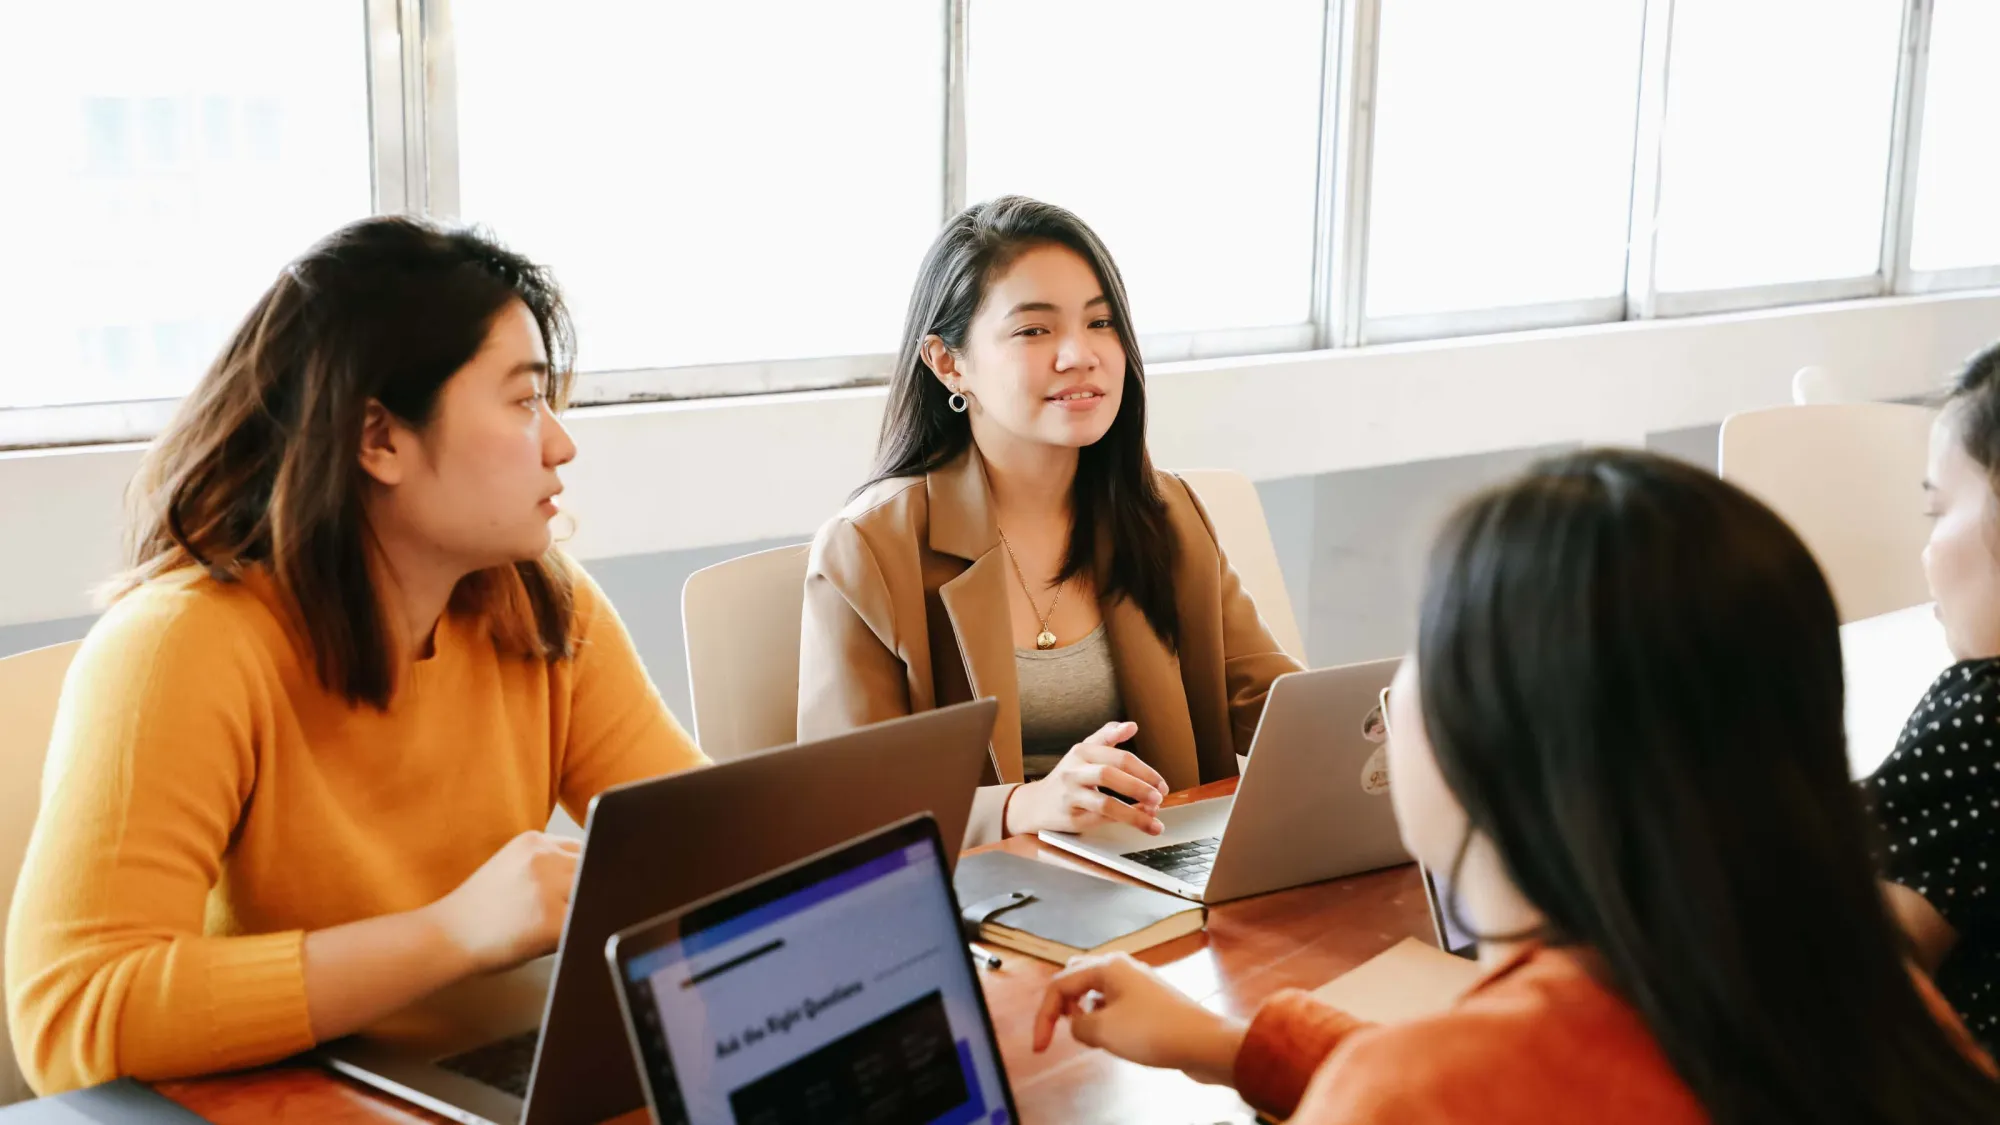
(1645,300)
(1910,137)
(1365,19)
(412,88)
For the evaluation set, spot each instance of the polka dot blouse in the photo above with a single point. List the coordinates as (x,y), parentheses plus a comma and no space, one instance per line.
(1937,799)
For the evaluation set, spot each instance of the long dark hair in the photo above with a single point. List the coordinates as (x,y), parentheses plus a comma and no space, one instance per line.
(1115,488)
(260,465)
(1631,676)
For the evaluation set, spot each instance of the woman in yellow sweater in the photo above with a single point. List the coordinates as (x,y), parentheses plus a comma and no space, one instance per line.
(301,765)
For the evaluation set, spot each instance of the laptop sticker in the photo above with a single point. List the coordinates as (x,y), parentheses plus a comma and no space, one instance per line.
(1375,772)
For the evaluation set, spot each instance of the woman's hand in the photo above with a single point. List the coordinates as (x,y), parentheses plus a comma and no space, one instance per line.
(1118,1004)
(1931,937)
(1069,800)
(511,910)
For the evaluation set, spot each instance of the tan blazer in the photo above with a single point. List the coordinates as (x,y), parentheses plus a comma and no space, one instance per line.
(906,610)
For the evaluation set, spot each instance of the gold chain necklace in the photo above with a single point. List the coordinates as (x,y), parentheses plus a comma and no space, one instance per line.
(1044,640)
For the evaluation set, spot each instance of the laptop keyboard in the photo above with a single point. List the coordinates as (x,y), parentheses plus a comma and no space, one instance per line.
(1189,862)
(503,1064)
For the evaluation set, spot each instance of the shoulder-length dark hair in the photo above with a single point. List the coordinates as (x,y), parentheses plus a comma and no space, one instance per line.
(260,466)
(1115,491)
(1631,675)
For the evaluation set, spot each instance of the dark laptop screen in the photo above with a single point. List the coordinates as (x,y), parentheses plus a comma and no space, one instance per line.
(1450,937)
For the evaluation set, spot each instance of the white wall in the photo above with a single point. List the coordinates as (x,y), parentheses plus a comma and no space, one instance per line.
(682,476)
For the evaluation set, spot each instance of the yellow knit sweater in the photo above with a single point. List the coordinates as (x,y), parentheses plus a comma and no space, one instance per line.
(206,804)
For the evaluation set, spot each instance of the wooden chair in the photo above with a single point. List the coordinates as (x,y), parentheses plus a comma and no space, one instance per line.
(1849,478)
(30,685)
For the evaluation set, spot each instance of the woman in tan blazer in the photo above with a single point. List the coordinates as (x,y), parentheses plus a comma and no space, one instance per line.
(1016,542)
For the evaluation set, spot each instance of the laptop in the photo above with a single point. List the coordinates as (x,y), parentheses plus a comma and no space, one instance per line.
(540,1045)
(1313,803)
(835,989)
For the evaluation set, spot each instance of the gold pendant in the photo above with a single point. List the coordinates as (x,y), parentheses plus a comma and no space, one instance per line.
(1045,640)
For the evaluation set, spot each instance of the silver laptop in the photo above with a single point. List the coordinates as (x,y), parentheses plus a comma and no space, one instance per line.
(836,990)
(541,1045)
(1313,803)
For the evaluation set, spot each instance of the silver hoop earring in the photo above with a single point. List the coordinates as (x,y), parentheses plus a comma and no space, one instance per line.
(957,402)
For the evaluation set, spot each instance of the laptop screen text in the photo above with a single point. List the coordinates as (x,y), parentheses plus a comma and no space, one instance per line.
(850,999)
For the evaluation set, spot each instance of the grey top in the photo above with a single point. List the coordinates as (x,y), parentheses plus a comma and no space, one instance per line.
(1066,695)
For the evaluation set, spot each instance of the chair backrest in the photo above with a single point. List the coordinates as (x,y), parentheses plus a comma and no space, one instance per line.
(30,684)
(1245,537)
(741,621)
(1848,477)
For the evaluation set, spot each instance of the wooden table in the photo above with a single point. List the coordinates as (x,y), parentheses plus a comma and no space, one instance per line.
(1299,938)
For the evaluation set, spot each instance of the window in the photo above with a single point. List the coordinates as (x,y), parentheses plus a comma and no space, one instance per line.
(710,182)
(1502,167)
(1185,132)
(1774,164)
(1958,157)
(736,197)
(166,173)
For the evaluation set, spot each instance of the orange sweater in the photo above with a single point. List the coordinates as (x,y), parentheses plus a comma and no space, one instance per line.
(1539,1041)
(206,804)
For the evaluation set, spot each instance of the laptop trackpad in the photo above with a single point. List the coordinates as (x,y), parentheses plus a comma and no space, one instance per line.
(470,1013)
(1182,823)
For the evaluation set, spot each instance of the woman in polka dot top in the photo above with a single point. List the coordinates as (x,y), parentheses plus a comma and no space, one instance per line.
(1937,797)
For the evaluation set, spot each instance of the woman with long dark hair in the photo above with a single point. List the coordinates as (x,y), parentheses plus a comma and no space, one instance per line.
(301,765)
(1016,542)
(1937,796)
(1621,735)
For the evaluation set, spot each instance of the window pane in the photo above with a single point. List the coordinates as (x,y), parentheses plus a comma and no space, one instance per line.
(170,158)
(1185,132)
(1958,161)
(1503,153)
(1775,162)
(710,182)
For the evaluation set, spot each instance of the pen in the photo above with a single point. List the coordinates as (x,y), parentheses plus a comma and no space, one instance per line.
(985,959)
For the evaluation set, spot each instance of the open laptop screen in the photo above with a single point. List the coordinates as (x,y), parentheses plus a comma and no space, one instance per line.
(837,990)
